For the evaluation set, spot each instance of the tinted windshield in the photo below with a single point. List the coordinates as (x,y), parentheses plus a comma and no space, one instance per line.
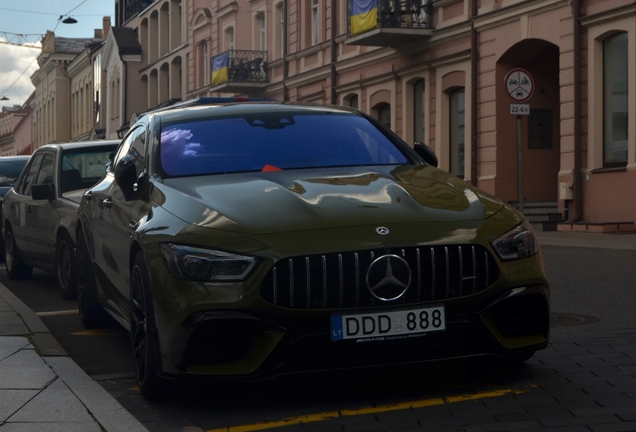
(274,141)
(10,171)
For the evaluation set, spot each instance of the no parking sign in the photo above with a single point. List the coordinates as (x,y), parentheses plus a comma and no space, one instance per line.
(519,85)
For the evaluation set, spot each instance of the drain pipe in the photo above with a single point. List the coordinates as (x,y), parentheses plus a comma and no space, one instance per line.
(576,213)
(284,54)
(473,95)
(334,51)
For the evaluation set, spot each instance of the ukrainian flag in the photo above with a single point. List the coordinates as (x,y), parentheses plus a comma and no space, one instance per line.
(364,15)
(219,69)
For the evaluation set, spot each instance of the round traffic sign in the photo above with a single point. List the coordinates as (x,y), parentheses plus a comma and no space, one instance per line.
(519,84)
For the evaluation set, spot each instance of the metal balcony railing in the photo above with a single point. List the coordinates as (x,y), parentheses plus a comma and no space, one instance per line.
(133,7)
(247,66)
(405,14)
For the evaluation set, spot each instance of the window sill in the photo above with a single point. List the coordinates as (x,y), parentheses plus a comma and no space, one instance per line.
(612,169)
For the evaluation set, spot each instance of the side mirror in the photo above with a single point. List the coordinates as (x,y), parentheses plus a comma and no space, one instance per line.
(126,176)
(43,192)
(426,153)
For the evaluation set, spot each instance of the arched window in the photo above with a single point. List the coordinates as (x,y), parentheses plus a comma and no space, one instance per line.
(615,112)
(384,115)
(354,102)
(419,111)
(457,126)
(315,22)
(260,23)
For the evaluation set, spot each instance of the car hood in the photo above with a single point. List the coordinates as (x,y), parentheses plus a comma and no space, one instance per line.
(283,201)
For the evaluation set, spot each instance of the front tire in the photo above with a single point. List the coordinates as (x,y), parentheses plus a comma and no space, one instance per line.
(65,267)
(143,333)
(16,268)
(91,311)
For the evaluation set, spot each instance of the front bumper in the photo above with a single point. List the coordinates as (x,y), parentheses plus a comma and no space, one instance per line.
(248,345)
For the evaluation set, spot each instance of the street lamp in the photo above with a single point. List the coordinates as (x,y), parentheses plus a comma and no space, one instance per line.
(4,98)
(67,20)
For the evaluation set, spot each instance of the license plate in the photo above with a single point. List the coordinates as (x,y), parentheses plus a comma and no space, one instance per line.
(387,325)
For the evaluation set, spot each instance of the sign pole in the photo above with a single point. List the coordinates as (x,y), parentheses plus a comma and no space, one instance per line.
(520,161)
(519,87)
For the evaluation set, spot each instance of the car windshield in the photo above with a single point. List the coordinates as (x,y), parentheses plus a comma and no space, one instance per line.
(10,171)
(273,141)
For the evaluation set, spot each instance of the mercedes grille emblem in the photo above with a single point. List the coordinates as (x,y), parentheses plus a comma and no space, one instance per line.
(382,230)
(388,277)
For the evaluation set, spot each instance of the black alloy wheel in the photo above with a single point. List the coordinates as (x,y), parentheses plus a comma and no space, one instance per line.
(65,266)
(143,333)
(15,266)
(91,311)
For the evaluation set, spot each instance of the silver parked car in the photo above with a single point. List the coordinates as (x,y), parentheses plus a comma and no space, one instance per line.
(39,213)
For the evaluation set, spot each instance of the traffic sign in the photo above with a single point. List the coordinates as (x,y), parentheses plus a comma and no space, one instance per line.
(519,85)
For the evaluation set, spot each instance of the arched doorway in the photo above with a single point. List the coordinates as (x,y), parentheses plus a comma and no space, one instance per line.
(540,130)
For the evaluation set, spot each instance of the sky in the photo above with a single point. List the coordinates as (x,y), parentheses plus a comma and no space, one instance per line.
(30,19)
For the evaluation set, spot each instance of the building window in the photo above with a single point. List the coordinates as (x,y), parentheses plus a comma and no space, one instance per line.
(457,121)
(97,87)
(615,115)
(384,115)
(229,38)
(314,22)
(354,103)
(419,113)
(206,64)
(260,18)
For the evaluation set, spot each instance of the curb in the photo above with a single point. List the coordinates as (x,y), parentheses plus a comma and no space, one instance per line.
(105,409)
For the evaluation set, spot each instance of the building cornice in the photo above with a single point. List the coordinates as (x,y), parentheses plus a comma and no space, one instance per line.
(628,11)
(487,20)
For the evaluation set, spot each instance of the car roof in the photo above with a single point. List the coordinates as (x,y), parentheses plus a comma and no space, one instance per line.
(80,144)
(246,108)
(15,158)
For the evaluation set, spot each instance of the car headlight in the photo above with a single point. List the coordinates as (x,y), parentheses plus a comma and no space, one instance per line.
(191,263)
(520,242)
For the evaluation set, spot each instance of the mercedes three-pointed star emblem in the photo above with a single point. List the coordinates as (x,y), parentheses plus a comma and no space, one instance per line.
(388,277)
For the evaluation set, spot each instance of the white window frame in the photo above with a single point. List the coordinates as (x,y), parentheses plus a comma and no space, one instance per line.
(315,22)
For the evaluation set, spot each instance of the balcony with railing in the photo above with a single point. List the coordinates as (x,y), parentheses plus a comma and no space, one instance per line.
(240,71)
(389,23)
(134,7)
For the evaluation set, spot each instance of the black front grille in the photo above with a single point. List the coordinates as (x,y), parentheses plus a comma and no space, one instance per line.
(339,280)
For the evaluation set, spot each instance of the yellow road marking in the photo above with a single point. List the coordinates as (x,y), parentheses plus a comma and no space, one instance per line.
(55,313)
(330,415)
(96,332)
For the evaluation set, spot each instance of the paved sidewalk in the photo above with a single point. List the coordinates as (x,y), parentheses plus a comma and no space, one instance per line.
(41,388)
(591,240)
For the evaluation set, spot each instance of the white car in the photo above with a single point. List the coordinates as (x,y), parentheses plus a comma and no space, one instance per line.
(39,212)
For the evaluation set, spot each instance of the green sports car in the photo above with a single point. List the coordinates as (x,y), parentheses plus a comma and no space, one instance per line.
(241,240)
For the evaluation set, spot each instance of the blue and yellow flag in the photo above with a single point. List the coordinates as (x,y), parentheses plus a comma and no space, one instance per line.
(364,15)
(219,69)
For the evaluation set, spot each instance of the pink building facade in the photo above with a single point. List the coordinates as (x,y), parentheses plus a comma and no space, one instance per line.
(449,73)
(15,130)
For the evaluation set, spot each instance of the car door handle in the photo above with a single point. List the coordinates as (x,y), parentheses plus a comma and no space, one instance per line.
(12,206)
(107,203)
(88,195)
(28,209)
